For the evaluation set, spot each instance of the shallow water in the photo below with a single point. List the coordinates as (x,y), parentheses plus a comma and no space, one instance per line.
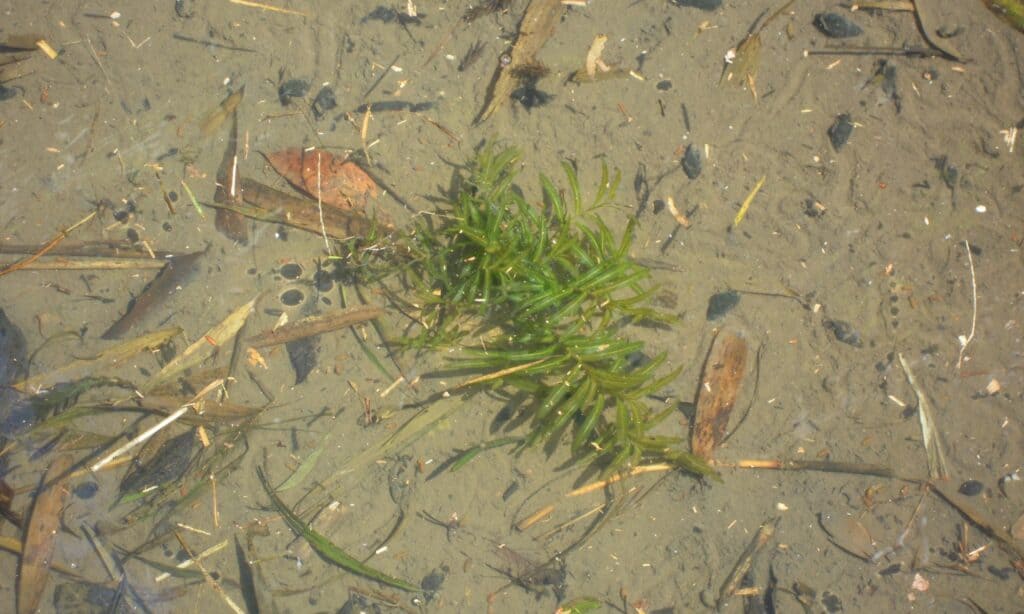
(874,235)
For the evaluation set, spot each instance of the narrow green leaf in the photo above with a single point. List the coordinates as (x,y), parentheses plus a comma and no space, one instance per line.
(324,547)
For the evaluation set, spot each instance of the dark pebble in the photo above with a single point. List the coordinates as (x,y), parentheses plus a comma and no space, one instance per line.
(704,5)
(6,93)
(843,332)
(293,88)
(722,303)
(167,227)
(840,131)
(971,488)
(324,102)
(834,25)
(693,161)
(433,580)
(133,235)
(184,8)
(292,297)
(86,490)
(291,271)
(664,85)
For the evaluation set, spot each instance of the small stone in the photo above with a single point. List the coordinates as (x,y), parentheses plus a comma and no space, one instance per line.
(86,490)
(843,332)
(840,131)
(293,88)
(834,25)
(664,85)
(971,488)
(693,161)
(324,102)
(721,304)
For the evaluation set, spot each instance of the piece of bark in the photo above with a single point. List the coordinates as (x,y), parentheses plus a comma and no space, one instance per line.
(719,385)
(537,26)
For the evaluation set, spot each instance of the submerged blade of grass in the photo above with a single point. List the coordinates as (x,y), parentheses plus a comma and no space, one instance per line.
(324,547)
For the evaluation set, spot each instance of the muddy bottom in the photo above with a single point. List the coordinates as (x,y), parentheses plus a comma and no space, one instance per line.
(887,231)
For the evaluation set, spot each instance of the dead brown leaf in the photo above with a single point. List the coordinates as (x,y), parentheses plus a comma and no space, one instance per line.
(40,535)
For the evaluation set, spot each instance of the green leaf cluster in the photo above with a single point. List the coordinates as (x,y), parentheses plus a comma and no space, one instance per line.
(543,293)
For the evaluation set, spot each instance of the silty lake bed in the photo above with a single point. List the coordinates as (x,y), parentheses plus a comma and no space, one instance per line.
(849,208)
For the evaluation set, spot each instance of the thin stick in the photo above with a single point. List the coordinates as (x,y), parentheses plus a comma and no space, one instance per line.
(320,204)
(209,579)
(216,510)
(974,313)
(364,130)
(156,428)
(190,562)
(588,488)
(498,374)
(932,447)
(535,517)
(63,263)
(267,7)
(60,236)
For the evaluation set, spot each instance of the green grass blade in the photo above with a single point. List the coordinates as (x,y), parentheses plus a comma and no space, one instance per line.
(325,548)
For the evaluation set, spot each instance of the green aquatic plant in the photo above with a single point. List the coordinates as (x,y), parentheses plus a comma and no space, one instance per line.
(539,298)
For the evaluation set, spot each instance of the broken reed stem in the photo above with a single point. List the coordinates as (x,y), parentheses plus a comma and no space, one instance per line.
(60,236)
(964,341)
(156,428)
(588,488)
(193,560)
(320,205)
(209,579)
(62,263)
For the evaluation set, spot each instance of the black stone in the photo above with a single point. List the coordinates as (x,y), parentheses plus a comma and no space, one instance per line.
(722,303)
(86,490)
(971,488)
(840,130)
(664,85)
(843,332)
(834,25)
(324,102)
(293,88)
(693,161)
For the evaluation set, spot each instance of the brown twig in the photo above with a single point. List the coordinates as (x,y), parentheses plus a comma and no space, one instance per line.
(60,236)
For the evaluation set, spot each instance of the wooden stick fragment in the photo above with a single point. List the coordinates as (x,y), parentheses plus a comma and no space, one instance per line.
(156,428)
(209,579)
(60,236)
(728,589)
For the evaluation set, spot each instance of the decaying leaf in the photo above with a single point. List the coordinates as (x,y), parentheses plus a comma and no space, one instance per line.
(40,536)
(267,204)
(204,347)
(101,363)
(337,182)
(720,382)
(849,535)
(224,110)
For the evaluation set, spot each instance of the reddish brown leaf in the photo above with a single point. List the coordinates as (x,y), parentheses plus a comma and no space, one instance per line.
(40,535)
(341,182)
(719,385)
